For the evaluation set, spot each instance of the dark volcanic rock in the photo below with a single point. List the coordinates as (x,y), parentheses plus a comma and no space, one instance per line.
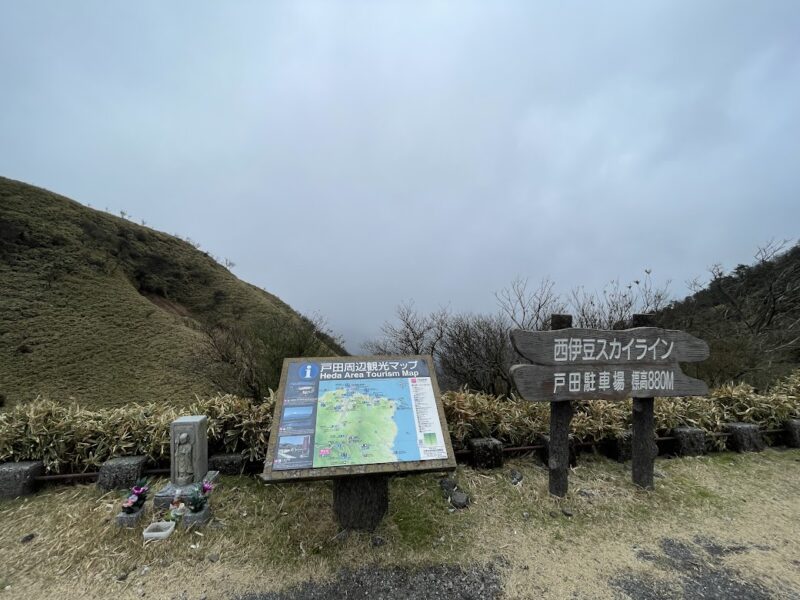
(448,486)
(459,499)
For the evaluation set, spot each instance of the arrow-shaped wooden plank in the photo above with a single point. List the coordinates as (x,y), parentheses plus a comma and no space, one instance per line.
(538,383)
(598,347)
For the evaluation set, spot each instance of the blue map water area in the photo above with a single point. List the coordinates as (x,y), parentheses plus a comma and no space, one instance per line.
(405,446)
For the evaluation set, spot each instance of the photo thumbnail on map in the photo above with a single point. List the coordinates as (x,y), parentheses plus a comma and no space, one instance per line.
(294,449)
(298,419)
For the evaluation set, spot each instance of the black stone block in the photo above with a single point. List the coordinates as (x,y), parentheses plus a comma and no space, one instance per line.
(226,464)
(744,437)
(689,441)
(19,478)
(487,453)
(121,473)
(792,433)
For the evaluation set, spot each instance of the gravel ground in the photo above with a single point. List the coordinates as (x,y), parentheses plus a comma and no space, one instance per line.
(432,583)
(698,572)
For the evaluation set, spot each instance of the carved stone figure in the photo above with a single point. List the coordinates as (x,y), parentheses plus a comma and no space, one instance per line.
(184,468)
(188,440)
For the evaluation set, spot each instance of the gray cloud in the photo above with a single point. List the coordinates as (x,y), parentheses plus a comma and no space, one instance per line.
(351,155)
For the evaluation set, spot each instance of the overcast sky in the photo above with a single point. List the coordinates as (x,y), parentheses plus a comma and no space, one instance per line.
(351,155)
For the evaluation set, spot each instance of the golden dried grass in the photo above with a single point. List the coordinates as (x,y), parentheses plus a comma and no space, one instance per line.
(69,438)
(75,439)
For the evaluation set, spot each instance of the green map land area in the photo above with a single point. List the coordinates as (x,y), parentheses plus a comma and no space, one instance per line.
(354,427)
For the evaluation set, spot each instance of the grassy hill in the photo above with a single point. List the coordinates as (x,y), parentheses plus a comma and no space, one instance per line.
(96,308)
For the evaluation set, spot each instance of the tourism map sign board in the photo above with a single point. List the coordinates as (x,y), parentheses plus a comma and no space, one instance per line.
(574,364)
(357,415)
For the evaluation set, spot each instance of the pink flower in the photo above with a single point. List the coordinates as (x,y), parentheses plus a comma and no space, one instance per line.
(207,487)
(139,490)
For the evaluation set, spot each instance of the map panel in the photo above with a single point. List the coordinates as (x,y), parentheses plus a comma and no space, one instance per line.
(341,412)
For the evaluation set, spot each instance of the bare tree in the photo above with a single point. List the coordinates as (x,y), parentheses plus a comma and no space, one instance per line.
(613,307)
(476,352)
(530,308)
(413,333)
(651,299)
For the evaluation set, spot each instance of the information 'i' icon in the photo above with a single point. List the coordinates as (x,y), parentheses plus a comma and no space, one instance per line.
(307,371)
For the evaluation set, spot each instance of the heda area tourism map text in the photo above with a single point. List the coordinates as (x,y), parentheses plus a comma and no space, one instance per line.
(354,412)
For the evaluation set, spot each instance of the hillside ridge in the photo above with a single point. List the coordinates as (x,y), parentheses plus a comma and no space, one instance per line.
(102,310)
(750,317)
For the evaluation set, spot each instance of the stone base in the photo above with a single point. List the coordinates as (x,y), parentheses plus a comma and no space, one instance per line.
(227,464)
(792,435)
(360,502)
(744,437)
(165,495)
(487,453)
(121,473)
(689,441)
(124,519)
(19,478)
(197,519)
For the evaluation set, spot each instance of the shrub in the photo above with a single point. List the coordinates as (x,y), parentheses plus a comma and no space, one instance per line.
(73,439)
(517,422)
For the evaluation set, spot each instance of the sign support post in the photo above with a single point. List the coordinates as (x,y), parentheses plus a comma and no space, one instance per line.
(360,501)
(643,445)
(560,418)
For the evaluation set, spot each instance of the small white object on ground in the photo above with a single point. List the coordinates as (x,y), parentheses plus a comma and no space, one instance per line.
(160,530)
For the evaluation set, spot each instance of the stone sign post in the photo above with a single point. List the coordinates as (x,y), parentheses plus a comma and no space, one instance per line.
(188,459)
(584,364)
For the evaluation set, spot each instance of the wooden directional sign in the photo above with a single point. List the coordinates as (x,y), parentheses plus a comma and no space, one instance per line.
(575,364)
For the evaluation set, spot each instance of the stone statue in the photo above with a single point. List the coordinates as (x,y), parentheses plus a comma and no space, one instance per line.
(184,469)
(188,450)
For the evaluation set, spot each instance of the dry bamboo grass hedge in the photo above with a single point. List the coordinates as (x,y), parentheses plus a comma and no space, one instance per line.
(69,438)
